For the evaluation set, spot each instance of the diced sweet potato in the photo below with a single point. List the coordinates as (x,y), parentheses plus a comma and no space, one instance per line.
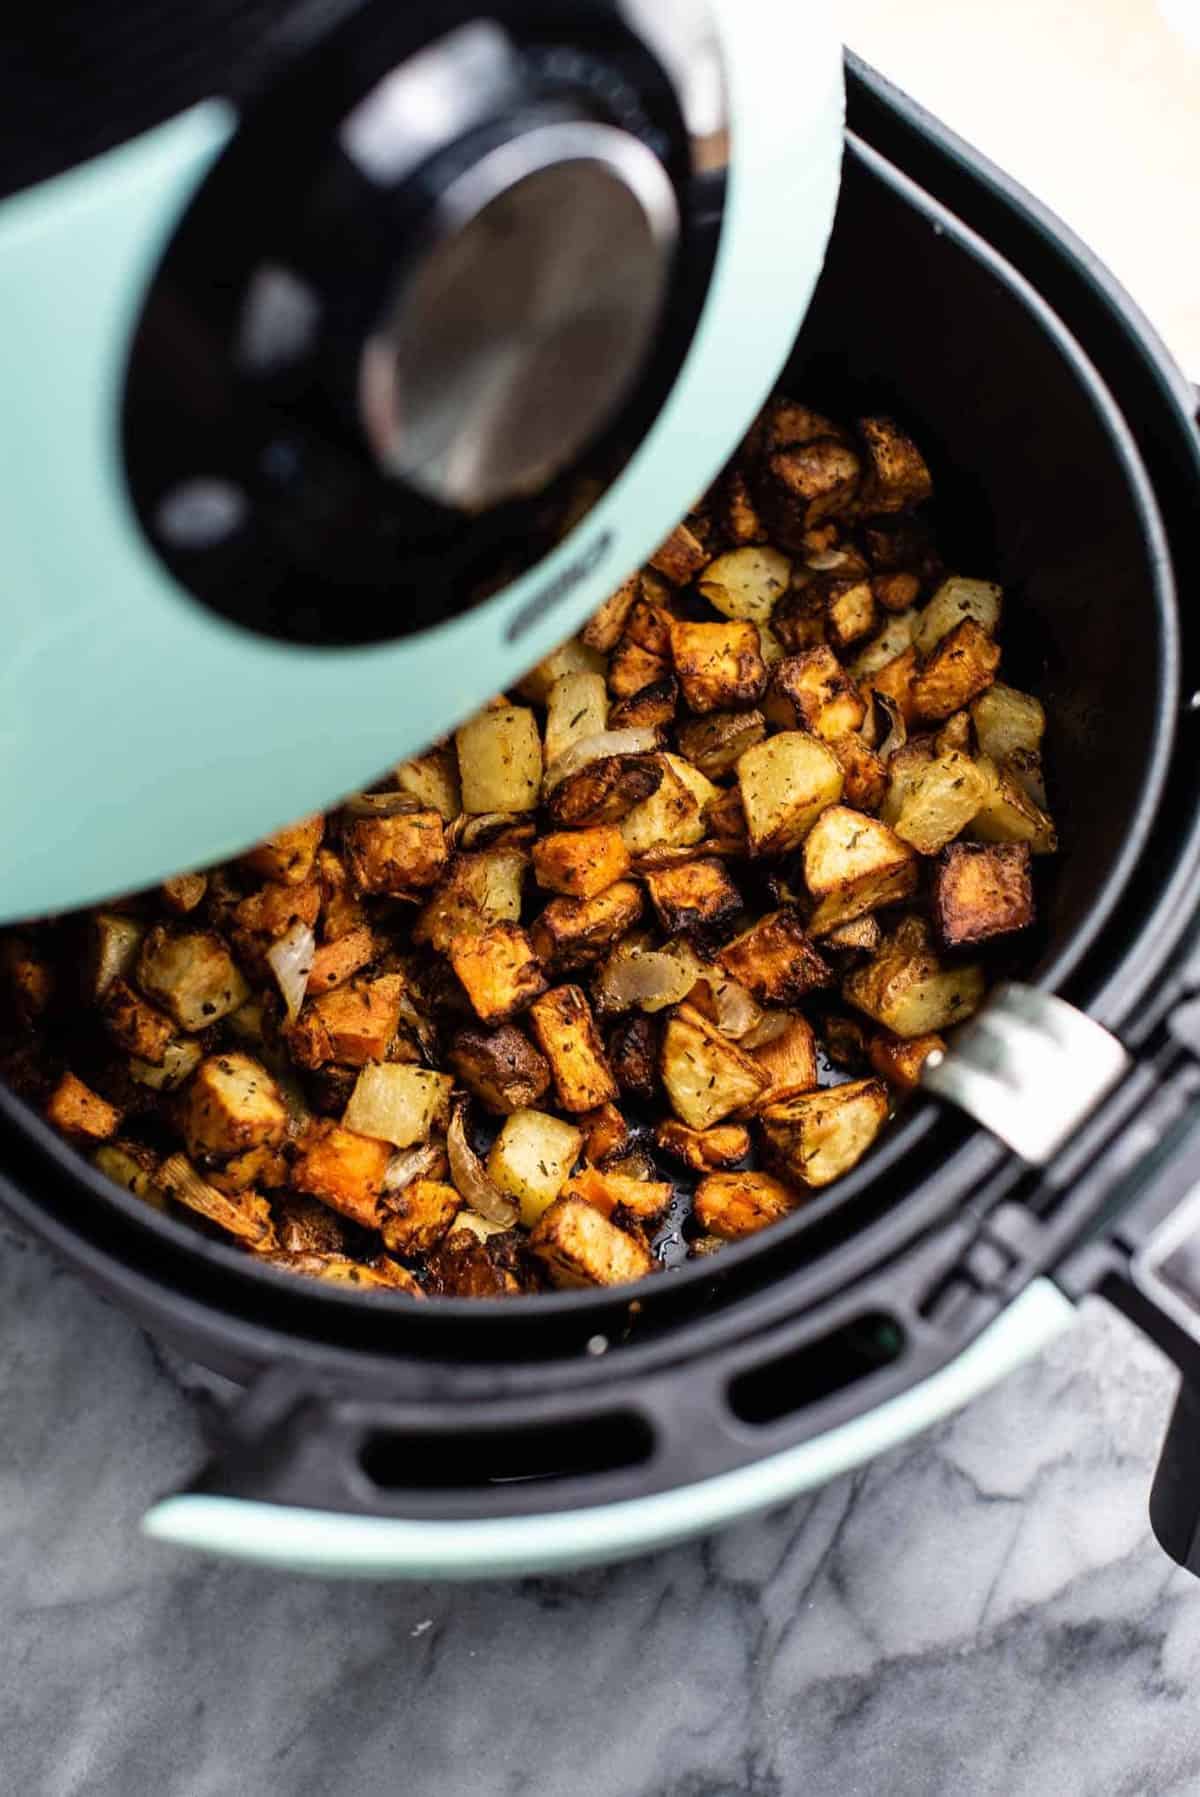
(704,1149)
(911,993)
(579,1247)
(854,864)
(733,1205)
(719,666)
(262,917)
(604,791)
(818,1136)
(898,1061)
(705,1074)
(232,1104)
(78,1111)
(981,890)
(499,970)
(642,1200)
(786,783)
(351,1025)
(340,905)
(501,1067)
(789,1060)
(813,691)
(414,1220)
(288,855)
(262,1169)
(135,1024)
(335,962)
(398,856)
(896,475)
(570,932)
(695,895)
(605,1132)
(775,960)
(566,1032)
(343,1169)
(580,863)
(192,975)
(963,664)
(681,557)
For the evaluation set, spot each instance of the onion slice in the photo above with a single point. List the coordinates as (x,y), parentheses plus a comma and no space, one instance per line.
(470,1179)
(410,1164)
(381,804)
(770,1025)
(290,960)
(897,734)
(735,1012)
(648,978)
(638,740)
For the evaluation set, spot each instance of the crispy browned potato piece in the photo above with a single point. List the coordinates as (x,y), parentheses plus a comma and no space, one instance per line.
(232,1103)
(850,613)
(134,1166)
(896,592)
(633,1056)
(570,932)
(899,1062)
(183,893)
(644,1200)
(343,1169)
(775,960)
(288,855)
(786,782)
(604,791)
(632,669)
(29,977)
(864,775)
(854,864)
(963,664)
(681,557)
(981,890)
(719,666)
(398,856)
(136,1025)
(705,1074)
(737,514)
(1009,813)
(812,691)
(414,1220)
(579,1247)
(805,484)
(789,1060)
(650,708)
(861,936)
(499,971)
(335,962)
(896,472)
(649,624)
(694,895)
(340,905)
(911,993)
(820,1135)
(351,1025)
(733,1205)
(798,622)
(78,1111)
(603,629)
(567,1035)
(306,1226)
(501,1067)
(462,1266)
(580,863)
(605,1132)
(255,1169)
(714,743)
(704,1149)
(725,818)
(896,681)
(192,975)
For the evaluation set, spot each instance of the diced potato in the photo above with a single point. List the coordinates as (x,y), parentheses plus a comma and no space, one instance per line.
(694,895)
(704,1149)
(305,1226)
(192,975)
(335,962)
(799,622)
(713,744)
(580,863)
(576,707)
(232,1103)
(905,767)
(479,890)
(633,1056)
(567,1035)
(818,1136)
(789,1060)
(912,993)
(402,1105)
(897,475)
(531,1160)
(955,734)
(681,557)
(264,1168)
(786,783)
(351,1025)
(736,510)
(865,776)
(433,780)
(603,629)
(939,801)
(605,791)
(745,583)
(896,592)
(499,971)
(775,960)
(673,814)
(862,936)
(854,864)
(184,892)
(112,951)
(78,1111)
(500,760)
(896,681)
(981,890)
(338,901)
(850,610)
(245,1216)
(343,1169)
(706,1076)
(725,820)
(802,485)
(288,855)
(1006,719)
(397,856)
(1008,814)
(733,1205)
(1025,767)
(813,691)
(899,1062)
(632,668)
(719,666)
(134,1166)
(650,708)
(572,657)
(642,1200)
(963,664)
(415,1219)
(136,1025)
(573,931)
(605,1132)
(179,1062)
(956,599)
(501,1067)
(579,1247)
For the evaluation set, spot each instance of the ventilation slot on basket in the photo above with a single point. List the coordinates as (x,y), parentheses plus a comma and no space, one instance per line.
(806,1375)
(400,1460)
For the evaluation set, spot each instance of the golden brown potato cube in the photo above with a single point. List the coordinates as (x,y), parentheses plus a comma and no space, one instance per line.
(433,780)
(414,1220)
(136,1025)
(479,889)
(718,666)
(643,1200)
(905,766)
(962,665)
(895,637)
(192,975)
(465,1265)
(789,1060)
(531,1159)
(733,1205)
(786,782)
(813,690)
(896,473)
(673,815)
(343,1169)
(231,1104)
(573,931)
(894,543)
(577,707)
(305,1226)
(862,936)
(254,1169)
(693,895)
(956,600)
(399,1103)
(704,1149)
(631,669)
(134,1166)
(911,993)
(865,776)
(501,1067)
(500,760)
(775,960)
(715,743)
(567,1035)
(981,890)
(288,855)
(572,657)
(1008,813)
(681,557)
(854,864)
(605,791)
(605,1132)
(578,1247)
(633,1055)
(746,583)
(78,1111)
(246,1216)
(184,892)
(351,1025)
(804,484)
(895,680)
(896,592)
(706,1076)
(113,942)
(499,970)
(603,629)
(899,1062)
(340,906)
(335,962)
(178,1064)
(725,821)
(798,621)
(396,855)
(939,800)
(955,734)
(1005,720)
(649,623)
(650,709)
(850,612)
(737,514)
(820,1135)
(580,863)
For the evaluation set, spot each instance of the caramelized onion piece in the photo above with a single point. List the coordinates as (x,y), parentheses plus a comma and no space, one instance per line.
(470,1180)
(638,741)
(290,960)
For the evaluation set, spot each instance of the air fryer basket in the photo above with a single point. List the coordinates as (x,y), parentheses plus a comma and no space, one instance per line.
(463,1409)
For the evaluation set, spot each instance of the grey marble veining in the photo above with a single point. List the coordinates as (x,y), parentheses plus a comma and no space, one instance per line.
(983,1611)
